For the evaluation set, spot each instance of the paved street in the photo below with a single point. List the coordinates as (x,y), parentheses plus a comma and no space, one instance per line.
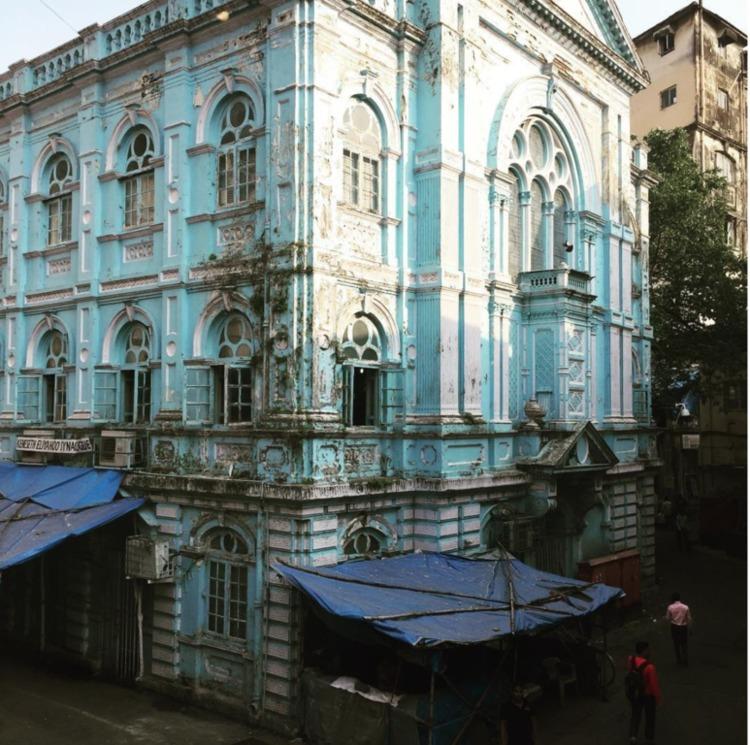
(42,707)
(704,703)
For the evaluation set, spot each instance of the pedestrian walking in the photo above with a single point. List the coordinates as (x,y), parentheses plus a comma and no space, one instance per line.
(642,689)
(681,529)
(517,726)
(678,615)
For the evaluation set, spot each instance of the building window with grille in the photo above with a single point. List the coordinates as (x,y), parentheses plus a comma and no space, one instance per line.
(59,201)
(139,179)
(227,593)
(222,392)
(361,158)
(135,376)
(668,96)
(236,158)
(723,99)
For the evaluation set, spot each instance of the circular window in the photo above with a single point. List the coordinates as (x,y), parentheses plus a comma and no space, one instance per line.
(237,114)
(360,332)
(61,170)
(518,146)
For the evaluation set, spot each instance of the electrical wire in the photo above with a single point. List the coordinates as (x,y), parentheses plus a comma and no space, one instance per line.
(52,10)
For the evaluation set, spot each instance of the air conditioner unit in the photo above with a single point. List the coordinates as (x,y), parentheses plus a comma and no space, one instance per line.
(149,559)
(122,449)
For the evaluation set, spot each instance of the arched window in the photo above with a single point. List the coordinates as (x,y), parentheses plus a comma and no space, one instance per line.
(227,595)
(537,232)
(361,158)
(222,393)
(139,178)
(3,206)
(59,174)
(367,541)
(236,160)
(135,374)
(42,396)
(538,153)
(559,231)
(55,350)
(515,232)
(361,348)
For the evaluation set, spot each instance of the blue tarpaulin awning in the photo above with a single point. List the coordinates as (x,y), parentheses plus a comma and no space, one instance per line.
(40,506)
(433,599)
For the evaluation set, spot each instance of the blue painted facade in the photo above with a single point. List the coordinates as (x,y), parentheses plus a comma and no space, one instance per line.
(302,271)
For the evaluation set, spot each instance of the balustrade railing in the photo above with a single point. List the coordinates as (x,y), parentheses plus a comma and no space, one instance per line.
(555,279)
(98,42)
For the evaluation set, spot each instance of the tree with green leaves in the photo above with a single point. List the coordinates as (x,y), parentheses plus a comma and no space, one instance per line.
(698,282)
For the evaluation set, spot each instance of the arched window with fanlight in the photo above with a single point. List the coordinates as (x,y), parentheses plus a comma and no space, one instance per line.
(361,158)
(138,181)
(135,375)
(222,392)
(54,379)
(3,208)
(59,201)
(228,559)
(540,158)
(362,352)
(236,152)
(42,395)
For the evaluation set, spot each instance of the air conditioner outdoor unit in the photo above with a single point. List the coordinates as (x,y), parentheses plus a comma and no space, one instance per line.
(122,449)
(146,558)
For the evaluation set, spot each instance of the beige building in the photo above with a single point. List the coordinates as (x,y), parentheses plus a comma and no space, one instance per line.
(698,67)
(697,62)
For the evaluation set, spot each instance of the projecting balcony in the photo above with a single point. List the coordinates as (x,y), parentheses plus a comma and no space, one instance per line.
(549,281)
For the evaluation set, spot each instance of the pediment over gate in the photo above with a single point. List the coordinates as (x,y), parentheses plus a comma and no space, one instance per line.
(582,451)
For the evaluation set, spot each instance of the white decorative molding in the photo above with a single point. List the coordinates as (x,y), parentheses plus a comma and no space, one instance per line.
(127,284)
(138,251)
(48,297)
(59,266)
(235,237)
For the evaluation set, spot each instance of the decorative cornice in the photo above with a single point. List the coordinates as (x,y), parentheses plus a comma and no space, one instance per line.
(622,68)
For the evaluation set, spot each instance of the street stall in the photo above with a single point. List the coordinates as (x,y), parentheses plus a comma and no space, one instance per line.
(422,616)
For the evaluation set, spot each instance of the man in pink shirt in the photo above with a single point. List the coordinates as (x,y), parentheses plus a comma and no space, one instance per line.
(678,615)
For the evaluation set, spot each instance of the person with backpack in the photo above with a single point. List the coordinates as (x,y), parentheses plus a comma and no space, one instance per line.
(642,690)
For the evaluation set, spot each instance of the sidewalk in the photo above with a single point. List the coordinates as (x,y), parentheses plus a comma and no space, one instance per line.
(703,703)
(39,706)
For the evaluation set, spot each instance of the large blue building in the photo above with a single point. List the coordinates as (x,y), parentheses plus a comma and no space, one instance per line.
(328,279)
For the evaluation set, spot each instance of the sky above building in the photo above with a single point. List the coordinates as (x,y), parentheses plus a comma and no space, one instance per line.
(37,26)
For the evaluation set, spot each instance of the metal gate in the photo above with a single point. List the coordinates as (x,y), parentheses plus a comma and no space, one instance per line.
(551,554)
(121,651)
